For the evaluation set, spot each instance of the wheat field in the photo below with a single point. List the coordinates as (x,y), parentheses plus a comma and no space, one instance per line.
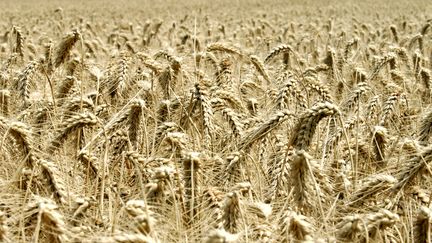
(224,121)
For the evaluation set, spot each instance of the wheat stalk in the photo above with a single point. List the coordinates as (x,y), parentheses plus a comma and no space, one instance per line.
(192,182)
(4,101)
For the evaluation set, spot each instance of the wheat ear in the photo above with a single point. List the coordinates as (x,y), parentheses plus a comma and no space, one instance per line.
(135,116)
(143,216)
(56,179)
(349,227)
(379,142)
(220,235)
(65,46)
(278,50)
(379,221)
(23,136)
(425,127)
(212,47)
(294,226)
(47,215)
(263,129)
(72,124)
(371,186)
(19,41)
(305,128)
(231,213)
(24,82)
(411,168)
(423,225)
(3,228)
(257,63)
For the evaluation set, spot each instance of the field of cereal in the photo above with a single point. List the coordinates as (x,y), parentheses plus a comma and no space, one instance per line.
(215,121)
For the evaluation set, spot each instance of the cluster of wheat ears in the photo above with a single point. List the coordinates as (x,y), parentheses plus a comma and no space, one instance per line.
(215,128)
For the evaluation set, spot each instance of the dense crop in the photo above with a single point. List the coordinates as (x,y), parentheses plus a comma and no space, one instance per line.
(254,122)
